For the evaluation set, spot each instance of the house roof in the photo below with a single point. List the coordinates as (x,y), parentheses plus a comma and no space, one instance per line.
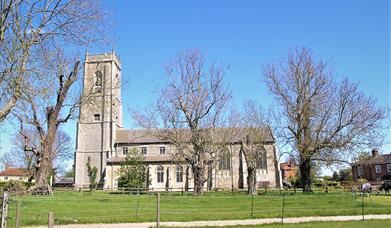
(147,137)
(11,171)
(384,158)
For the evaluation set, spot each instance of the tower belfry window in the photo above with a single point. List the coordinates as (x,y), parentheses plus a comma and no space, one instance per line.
(98,79)
(96,117)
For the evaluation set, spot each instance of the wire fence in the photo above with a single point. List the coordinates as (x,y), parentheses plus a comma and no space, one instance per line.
(85,207)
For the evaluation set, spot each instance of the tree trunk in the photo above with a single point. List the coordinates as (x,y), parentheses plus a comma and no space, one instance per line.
(187,179)
(148,176)
(43,172)
(45,166)
(240,179)
(167,179)
(46,155)
(251,181)
(198,173)
(305,174)
(210,176)
(198,165)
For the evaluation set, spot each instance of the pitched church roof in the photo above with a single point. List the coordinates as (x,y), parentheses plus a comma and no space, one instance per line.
(144,137)
(135,136)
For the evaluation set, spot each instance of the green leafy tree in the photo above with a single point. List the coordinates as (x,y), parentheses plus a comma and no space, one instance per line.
(327,178)
(345,174)
(295,181)
(335,176)
(133,172)
(92,171)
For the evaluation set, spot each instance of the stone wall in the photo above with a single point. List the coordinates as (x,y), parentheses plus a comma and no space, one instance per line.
(221,179)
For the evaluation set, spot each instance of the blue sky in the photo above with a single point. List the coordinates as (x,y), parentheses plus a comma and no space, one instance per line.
(352,35)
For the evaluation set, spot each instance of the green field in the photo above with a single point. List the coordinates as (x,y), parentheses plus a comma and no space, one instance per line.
(349,224)
(100,207)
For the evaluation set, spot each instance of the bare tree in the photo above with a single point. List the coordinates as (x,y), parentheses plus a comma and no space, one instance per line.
(45,106)
(323,120)
(27,27)
(188,109)
(18,157)
(34,72)
(27,159)
(250,128)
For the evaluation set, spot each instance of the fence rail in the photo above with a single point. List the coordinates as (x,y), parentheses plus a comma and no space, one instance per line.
(75,207)
(4,209)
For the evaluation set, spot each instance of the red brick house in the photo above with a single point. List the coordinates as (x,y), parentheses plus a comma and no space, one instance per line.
(288,169)
(372,168)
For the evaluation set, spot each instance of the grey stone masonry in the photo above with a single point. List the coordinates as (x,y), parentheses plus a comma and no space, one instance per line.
(100,115)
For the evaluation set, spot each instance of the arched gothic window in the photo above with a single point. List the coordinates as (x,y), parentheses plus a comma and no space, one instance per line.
(179,173)
(160,174)
(262,158)
(98,78)
(225,161)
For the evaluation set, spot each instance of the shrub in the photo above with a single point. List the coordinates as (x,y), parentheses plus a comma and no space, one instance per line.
(363,180)
(333,183)
(317,183)
(133,173)
(296,181)
(92,172)
(386,177)
(15,188)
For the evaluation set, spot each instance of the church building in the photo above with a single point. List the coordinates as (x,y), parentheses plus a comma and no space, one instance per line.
(102,141)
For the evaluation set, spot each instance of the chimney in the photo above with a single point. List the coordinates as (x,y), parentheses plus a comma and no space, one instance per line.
(375,153)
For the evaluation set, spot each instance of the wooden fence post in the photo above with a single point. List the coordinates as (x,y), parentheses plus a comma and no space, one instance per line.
(4,210)
(50,220)
(158,211)
(252,205)
(18,210)
(283,210)
(362,206)
(138,203)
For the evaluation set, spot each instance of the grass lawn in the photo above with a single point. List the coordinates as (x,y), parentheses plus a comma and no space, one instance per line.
(349,224)
(100,207)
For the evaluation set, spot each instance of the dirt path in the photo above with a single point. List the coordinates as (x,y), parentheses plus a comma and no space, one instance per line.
(223,222)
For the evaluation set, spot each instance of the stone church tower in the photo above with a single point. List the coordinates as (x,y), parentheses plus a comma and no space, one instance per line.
(100,116)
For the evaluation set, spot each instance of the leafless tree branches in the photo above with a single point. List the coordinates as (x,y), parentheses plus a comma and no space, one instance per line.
(27,137)
(28,27)
(189,107)
(36,76)
(322,119)
(249,126)
(44,108)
